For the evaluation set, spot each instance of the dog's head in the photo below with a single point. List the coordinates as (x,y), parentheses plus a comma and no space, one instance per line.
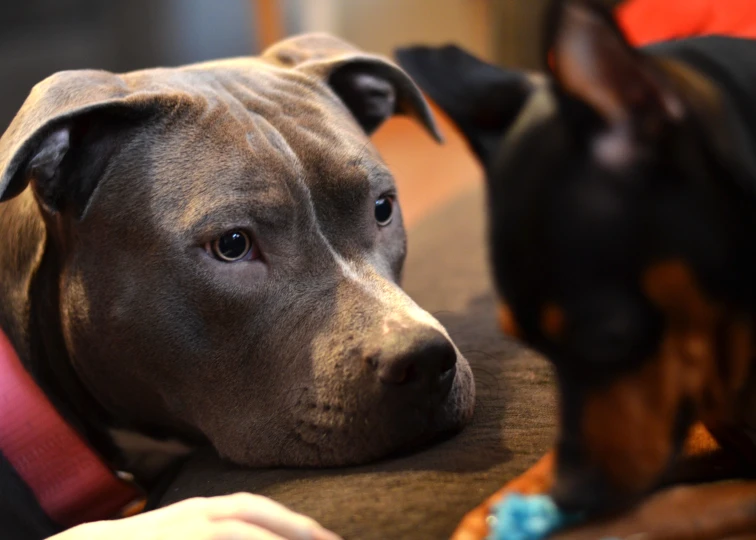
(227,246)
(619,230)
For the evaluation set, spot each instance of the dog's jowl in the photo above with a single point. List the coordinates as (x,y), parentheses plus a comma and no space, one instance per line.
(213,252)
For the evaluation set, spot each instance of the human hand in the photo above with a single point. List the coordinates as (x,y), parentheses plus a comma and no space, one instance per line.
(241,516)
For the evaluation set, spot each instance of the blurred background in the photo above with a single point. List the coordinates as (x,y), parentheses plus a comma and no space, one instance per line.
(40,37)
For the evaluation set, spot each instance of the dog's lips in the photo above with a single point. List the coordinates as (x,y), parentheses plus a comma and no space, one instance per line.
(446,381)
(447,421)
(605,499)
(337,422)
(340,438)
(454,412)
(461,395)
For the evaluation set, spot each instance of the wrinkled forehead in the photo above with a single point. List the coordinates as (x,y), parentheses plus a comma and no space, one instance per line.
(264,140)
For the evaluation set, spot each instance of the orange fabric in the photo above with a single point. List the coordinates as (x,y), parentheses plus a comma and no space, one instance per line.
(649,21)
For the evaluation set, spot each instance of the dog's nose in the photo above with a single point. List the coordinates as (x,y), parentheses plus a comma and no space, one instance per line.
(575,493)
(410,356)
(584,489)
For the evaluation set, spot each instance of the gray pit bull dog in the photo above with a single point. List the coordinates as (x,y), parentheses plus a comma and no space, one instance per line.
(213,252)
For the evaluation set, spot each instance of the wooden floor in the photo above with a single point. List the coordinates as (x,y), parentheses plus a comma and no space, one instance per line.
(428,174)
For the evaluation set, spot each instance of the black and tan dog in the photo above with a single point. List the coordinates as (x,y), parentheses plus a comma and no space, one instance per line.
(622,194)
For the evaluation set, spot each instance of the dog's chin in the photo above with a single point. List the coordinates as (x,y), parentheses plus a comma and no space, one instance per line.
(334,442)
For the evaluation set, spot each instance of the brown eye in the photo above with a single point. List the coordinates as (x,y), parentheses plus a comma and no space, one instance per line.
(384,210)
(234,246)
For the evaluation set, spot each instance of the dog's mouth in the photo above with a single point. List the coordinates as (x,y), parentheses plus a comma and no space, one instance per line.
(442,425)
(406,440)
(588,491)
(585,487)
(351,420)
(328,435)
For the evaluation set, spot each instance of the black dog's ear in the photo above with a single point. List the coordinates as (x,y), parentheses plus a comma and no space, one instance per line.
(372,87)
(69,117)
(592,61)
(481,99)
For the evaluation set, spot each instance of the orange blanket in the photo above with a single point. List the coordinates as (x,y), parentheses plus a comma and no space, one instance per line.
(648,21)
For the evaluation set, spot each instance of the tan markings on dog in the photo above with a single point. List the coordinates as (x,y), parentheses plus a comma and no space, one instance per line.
(699,441)
(712,377)
(628,426)
(672,287)
(507,322)
(552,321)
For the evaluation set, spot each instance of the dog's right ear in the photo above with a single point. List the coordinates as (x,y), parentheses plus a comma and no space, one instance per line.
(592,61)
(483,100)
(72,115)
(370,86)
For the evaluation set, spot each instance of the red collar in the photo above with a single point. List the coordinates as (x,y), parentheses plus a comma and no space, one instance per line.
(71,482)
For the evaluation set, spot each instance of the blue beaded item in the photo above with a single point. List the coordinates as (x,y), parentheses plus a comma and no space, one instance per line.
(519,517)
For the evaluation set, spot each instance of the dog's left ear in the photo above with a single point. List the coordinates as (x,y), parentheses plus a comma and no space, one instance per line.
(63,136)
(483,100)
(592,61)
(372,87)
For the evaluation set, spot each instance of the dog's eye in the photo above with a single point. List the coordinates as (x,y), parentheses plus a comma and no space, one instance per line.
(384,210)
(233,246)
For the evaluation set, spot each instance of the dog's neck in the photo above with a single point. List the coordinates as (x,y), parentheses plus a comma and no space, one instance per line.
(30,316)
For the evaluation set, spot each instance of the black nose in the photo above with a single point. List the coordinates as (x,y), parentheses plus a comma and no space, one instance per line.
(584,490)
(419,355)
(578,492)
